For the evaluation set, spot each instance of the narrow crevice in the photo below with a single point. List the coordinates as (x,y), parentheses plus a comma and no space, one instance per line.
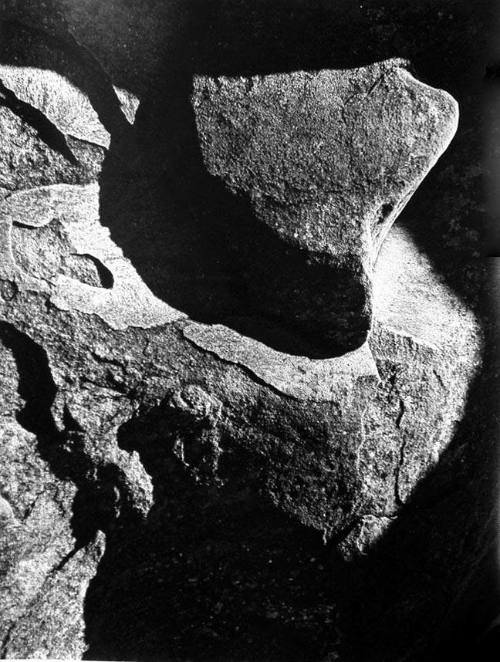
(402,410)
(36,385)
(46,130)
(66,559)
(94,505)
(5,642)
(401,460)
(380,225)
(384,213)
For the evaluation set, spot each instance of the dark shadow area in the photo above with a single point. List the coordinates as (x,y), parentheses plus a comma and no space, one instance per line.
(185,234)
(216,573)
(93,506)
(49,133)
(192,241)
(88,269)
(180,247)
(432,579)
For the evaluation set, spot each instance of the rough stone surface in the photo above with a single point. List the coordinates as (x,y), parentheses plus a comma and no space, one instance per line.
(40,567)
(53,240)
(62,103)
(323,163)
(179,481)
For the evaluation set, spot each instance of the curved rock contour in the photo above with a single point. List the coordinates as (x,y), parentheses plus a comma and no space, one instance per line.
(321,164)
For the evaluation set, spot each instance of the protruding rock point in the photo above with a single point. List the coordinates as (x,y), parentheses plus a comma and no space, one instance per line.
(320,165)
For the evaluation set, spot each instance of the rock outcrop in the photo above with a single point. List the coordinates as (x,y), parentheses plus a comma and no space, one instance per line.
(322,163)
(179,481)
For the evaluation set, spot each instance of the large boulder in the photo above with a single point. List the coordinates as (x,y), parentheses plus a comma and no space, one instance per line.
(322,164)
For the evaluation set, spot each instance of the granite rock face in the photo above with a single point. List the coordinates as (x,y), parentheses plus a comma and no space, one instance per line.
(323,163)
(178,489)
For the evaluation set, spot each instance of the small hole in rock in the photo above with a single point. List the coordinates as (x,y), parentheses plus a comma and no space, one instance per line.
(385,211)
(87,269)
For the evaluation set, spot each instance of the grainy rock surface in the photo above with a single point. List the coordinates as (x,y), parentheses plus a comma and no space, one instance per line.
(180,480)
(322,162)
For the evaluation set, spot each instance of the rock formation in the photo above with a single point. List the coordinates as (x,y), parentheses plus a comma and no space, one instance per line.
(326,161)
(240,417)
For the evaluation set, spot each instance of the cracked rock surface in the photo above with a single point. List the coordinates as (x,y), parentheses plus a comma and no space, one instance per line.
(190,469)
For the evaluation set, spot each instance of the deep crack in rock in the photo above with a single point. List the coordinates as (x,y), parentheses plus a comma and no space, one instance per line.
(47,131)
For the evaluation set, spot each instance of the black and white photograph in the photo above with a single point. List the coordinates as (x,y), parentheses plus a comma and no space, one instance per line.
(250,330)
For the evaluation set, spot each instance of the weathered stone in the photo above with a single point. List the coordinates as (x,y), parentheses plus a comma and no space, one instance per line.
(405,349)
(57,111)
(133,396)
(178,490)
(321,164)
(35,533)
(27,161)
(46,229)
(62,103)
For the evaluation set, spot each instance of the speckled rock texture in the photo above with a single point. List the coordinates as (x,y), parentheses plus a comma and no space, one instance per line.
(325,161)
(190,470)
